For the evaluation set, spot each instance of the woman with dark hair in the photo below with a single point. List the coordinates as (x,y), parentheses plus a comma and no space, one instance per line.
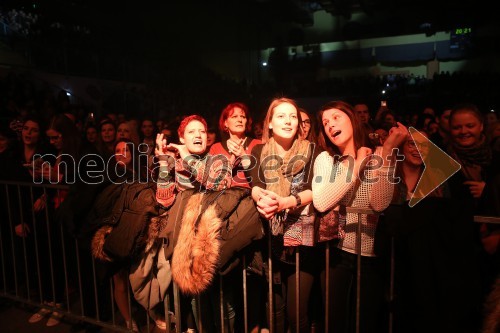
(91,135)
(284,199)
(212,137)
(308,126)
(147,135)
(128,169)
(344,177)
(25,164)
(65,140)
(257,129)
(106,139)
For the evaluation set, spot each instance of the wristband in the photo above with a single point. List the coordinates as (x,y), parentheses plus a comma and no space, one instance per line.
(299,200)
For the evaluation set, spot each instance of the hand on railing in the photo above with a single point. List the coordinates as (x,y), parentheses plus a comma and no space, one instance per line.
(40,204)
(22,230)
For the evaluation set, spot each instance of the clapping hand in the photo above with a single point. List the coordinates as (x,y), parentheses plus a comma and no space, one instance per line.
(236,148)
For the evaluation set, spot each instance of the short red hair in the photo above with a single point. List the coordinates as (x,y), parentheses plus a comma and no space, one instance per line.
(187,120)
(228,112)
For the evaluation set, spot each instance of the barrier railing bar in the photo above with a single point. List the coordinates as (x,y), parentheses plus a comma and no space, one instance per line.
(3,256)
(487,219)
(78,269)
(297,289)
(221,303)
(270,285)
(65,267)
(245,298)
(327,286)
(23,241)
(177,306)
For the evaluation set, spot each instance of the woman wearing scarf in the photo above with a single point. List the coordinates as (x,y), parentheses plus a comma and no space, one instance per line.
(281,188)
(475,190)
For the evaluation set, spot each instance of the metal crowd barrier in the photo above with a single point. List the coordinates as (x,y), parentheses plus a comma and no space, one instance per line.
(26,274)
(23,277)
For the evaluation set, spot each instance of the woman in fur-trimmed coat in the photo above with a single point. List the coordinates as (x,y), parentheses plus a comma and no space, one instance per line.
(187,166)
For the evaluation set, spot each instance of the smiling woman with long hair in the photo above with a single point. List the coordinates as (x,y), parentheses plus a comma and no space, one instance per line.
(281,189)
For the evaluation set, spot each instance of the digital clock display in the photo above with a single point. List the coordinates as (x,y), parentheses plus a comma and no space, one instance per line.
(460,38)
(463,31)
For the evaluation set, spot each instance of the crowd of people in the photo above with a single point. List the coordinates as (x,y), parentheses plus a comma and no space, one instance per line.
(302,169)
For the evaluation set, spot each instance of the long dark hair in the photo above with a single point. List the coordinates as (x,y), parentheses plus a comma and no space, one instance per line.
(70,135)
(360,137)
(137,165)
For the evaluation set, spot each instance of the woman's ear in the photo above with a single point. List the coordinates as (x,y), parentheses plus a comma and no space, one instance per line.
(181,140)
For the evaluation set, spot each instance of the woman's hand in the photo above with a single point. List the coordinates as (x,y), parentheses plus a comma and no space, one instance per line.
(266,205)
(177,149)
(39,204)
(49,173)
(361,155)
(22,230)
(397,135)
(476,188)
(161,145)
(235,148)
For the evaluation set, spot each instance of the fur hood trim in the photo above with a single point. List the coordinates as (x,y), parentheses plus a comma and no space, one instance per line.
(98,243)
(196,254)
(155,225)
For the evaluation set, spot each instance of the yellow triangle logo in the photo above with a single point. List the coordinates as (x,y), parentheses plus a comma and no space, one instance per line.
(439,166)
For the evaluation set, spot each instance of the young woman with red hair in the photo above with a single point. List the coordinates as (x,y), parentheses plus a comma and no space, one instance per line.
(234,123)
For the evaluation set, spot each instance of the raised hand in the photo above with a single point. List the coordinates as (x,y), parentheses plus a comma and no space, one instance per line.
(475,187)
(397,135)
(22,230)
(161,145)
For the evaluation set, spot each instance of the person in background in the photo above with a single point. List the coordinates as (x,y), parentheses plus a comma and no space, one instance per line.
(363,113)
(308,126)
(91,135)
(426,299)
(257,129)
(147,139)
(440,138)
(212,137)
(106,139)
(65,139)
(126,131)
(129,169)
(475,188)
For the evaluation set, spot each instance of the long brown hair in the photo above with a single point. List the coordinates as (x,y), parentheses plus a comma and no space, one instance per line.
(359,134)
(266,131)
